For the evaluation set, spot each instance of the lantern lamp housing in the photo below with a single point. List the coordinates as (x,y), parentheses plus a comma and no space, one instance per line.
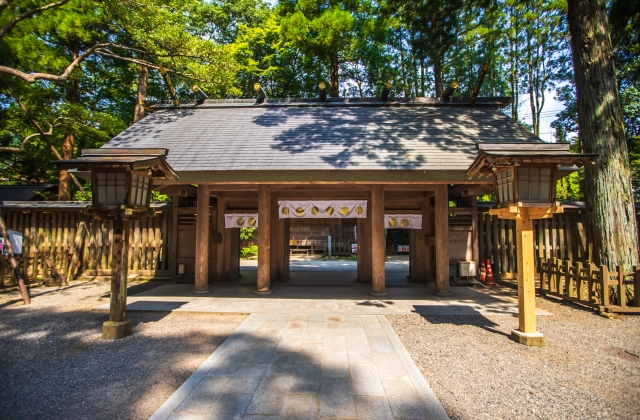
(116,187)
(525,172)
(122,179)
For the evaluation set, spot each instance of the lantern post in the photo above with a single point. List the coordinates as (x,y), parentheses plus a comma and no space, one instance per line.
(524,180)
(121,182)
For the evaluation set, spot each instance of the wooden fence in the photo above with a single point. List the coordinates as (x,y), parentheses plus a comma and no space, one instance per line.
(586,284)
(61,244)
(562,237)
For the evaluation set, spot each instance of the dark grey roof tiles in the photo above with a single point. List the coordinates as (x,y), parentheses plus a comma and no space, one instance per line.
(322,138)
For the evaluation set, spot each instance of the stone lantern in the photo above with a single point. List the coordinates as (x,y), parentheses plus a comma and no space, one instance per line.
(524,181)
(121,182)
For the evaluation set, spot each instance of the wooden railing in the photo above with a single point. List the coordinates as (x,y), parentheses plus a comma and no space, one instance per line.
(586,284)
(59,245)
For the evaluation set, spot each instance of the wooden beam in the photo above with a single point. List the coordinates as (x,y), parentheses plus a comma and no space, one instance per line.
(179,190)
(202,240)
(377,241)
(319,187)
(426,187)
(442,239)
(320,195)
(214,188)
(264,240)
(236,195)
(328,177)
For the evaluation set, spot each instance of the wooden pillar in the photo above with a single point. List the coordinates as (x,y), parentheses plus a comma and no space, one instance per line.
(264,240)
(213,244)
(221,273)
(286,244)
(173,251)
(413,235)
(364,246)
(475,244)
(202,240)
(277,243)
(234,254)
(442,239)
(427,230)
(526,332)
(377,241)
(421,248)
(118,325)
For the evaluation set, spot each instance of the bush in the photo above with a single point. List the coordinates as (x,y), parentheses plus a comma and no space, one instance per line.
(249,252)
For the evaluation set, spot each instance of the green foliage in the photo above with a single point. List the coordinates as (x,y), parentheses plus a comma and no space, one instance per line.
(156,196)
(246,233)
(249,252)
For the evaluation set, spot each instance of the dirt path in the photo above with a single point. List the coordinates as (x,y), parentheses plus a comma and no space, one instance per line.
(53,363)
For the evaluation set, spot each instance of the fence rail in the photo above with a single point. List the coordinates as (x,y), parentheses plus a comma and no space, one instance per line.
(562,236)
(586,284)
(59,245)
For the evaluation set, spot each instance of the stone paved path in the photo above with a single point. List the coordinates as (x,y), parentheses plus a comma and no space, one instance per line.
(307,366)
(323,299)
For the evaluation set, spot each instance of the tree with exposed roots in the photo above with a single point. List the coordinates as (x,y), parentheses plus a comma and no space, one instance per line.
(607,186)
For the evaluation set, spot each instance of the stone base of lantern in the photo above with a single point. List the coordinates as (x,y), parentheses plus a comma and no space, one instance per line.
(535,339)
(115,330)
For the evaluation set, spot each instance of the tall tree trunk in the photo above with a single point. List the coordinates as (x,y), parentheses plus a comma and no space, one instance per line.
(138,112)
(335,87)
(64,178)
(422,80)
(515,63)
(437,75)
(608,194)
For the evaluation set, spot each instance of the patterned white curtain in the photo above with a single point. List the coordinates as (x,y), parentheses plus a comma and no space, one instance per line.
(403,221)
(240,220)
(335,209)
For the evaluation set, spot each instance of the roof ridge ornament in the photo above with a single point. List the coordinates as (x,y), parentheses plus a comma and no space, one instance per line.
(262,96)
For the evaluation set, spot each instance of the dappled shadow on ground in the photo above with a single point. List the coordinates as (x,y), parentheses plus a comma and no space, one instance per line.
(302,366)
(53,363)
(475,320)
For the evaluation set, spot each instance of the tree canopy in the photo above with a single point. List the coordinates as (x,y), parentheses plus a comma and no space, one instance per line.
(81,67)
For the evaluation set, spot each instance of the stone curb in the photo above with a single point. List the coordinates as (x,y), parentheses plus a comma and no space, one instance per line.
(435,409)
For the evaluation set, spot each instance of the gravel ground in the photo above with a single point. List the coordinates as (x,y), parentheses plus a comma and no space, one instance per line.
(53,363)
(589,369)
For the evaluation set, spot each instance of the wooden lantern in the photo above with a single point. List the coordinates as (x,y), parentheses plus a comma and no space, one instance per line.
(524,184)
(121,182)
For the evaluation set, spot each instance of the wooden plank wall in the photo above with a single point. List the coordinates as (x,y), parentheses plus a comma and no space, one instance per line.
(58,245)
(562,237)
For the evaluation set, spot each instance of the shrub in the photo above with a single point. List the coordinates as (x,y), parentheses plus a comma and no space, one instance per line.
(249,252)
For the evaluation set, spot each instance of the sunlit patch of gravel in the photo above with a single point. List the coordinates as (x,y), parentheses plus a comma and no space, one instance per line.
(53,363)
(590,367)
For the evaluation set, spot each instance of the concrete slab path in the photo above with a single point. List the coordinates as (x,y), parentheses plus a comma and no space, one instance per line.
(306,366)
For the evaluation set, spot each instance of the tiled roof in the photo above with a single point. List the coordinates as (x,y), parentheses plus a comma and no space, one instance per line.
(277,138)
